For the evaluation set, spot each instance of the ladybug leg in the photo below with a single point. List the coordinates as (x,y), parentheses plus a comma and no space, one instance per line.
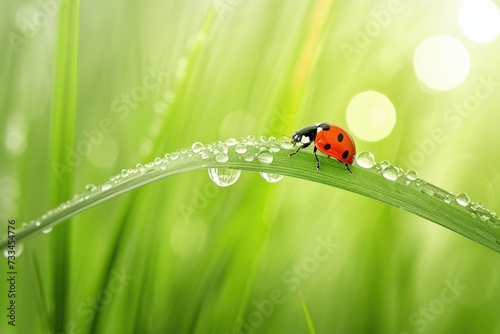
(348,169)
(316,156)
(300,147)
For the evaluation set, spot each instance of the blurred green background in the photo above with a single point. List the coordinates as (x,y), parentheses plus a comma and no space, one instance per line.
(185,256)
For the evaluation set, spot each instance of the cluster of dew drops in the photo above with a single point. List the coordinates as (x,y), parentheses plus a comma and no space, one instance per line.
(261,150)
(393,173)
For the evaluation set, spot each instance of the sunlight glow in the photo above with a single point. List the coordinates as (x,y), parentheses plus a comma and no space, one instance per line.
(371,116)
(441,62)
(480,20)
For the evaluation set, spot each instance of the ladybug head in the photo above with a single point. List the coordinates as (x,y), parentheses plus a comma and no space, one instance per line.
(296,137)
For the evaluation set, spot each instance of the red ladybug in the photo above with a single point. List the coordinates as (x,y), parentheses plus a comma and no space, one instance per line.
(329,139)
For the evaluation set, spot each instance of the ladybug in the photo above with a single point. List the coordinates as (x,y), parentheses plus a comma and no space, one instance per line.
(329,139)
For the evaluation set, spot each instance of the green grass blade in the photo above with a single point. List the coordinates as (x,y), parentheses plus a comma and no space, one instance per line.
(417,197)
(310,325)
(63,136)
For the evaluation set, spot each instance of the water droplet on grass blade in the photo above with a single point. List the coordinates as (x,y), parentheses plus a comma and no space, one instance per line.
(90,187)
(231,142)
(249,157)
(241,148)
(271,177)
(18,249)
(265,157)
(47,230)
(411,175)
(286,145)
(222,157)
(365,159)
(197,147)
(462,199)
(224,177)
(105,187)
(390,173)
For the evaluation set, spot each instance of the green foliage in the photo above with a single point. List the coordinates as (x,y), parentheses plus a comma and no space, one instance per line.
(107,86)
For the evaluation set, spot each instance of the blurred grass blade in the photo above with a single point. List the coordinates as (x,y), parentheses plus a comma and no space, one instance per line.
(310,325)
(63,136)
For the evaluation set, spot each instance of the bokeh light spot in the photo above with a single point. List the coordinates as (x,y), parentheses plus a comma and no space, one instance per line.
(441,62)
(371,116)
(480,20)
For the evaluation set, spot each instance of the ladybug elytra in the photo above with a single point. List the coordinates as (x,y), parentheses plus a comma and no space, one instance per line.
(329,139)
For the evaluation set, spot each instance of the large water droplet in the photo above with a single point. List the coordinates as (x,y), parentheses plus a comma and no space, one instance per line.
(411,175)
(365,159)
(462,199)
(265,157)
(274,148)
(224,177)
(222,157)
(271,177)
(197,147)
(286,145)
(90,187)
(231,142)
(390,173)
(105,187)
(17,251)
(249,157)
(241,148)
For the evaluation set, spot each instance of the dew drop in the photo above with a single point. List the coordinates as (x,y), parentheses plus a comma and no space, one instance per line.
(158,161)
(174,156)
(18,249)
(418,183)
(183,150)
(197,147)
(274,148)
(241,148)
(365,159)
(249,157)
(231,142)
(105,187)
(271,177)
(90,187)
(251,137)
(462,199)
(384,164)
(411,175)
(265,157)
(286,145)
(390,173)
(222,157)
(124,172)
(38,223)
(224,177)
(447,199)
(47,230)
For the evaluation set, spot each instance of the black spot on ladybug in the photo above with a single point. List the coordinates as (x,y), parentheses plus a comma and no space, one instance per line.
(327,146)
(345,154)
(340,137)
